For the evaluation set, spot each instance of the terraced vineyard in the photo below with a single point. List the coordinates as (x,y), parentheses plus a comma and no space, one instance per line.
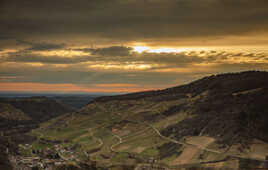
(202,124)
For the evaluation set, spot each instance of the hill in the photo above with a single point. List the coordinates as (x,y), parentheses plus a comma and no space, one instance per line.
(220,120)
(75,101)
(39,109)
(20,115)
(9,112)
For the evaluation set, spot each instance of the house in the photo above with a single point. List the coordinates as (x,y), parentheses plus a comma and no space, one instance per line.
(152,160)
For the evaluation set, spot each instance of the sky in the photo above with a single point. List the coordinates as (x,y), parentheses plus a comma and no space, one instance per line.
(121,46)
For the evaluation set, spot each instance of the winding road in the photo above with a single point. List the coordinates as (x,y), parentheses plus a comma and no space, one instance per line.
(164,137)
(182,143)
(119,142)
(96,138)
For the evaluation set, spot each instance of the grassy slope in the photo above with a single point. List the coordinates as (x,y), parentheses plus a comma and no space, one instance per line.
(127,118)
(116,117)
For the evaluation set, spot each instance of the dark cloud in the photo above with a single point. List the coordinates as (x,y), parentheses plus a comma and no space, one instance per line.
(48,60)
(165,69)
(41,46)
(26,57)
(131,20)
(109,51)
(47,74)
(33,34)
(4,37)
(116,55)
(121,55)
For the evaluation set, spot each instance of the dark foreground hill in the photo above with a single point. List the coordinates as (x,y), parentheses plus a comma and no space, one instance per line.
(20,115)
(14,121)
(39,109)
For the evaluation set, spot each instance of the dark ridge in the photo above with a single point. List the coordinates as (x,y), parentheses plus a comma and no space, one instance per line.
(229,118)
(228,83)
(40,108)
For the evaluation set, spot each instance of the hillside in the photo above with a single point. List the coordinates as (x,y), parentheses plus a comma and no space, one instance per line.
(14,121)
(9,112)
(75,101)
(227,105)
(19,116)
(219,120)
(39,109)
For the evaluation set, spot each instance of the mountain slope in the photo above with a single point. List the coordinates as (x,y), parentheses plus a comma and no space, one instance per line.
(209,119)
(9,112)
(20,115)
(39,109)
(232,106)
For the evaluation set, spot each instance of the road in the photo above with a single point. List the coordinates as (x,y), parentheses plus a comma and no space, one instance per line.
(164,137)
(96,138)
(183,143)
(198,146)
(118,143)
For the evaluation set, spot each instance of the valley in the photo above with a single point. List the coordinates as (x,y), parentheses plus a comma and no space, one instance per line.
(218,122)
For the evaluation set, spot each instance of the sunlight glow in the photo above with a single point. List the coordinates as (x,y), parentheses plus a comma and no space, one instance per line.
(165,50)
(68,87)
(123,67)
(140,49)
(61,53)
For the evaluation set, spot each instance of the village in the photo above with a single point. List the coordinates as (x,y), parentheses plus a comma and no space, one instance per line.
(45,158)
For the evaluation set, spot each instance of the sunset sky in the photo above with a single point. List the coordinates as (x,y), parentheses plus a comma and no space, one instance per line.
(113,46)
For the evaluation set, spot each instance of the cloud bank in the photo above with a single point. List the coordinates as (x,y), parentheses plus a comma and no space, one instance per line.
(122,65)
(124,21)
(90,44)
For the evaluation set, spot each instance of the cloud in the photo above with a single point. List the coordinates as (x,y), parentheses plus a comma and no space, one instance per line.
(107,58)
(4,37)
(7,78)
(70,88)
(132,21)
(122,57)
(109,51)
(55,48)
(41,46)
(26,57)
(144,70)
